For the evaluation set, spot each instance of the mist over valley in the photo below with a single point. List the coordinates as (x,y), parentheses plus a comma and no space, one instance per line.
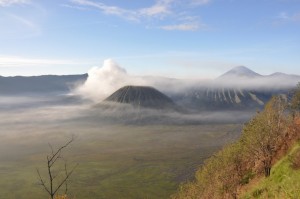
(129,130)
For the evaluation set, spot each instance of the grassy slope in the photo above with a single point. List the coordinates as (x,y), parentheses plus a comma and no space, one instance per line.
(284,181)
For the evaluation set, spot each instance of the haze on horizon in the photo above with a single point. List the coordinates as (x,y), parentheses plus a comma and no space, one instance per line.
(173,38)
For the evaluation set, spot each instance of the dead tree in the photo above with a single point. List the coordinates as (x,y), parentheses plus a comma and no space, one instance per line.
(52,186)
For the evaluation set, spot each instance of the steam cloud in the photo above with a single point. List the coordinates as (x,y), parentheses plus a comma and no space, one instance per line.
(103,81)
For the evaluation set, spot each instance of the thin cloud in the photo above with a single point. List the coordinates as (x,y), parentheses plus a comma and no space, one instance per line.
(5,3)
(109,10)
(19,25)
(161,7)
(184,27)
(73,6)
(200,2)
(161,10)
(25,22)
(296,17)
(284,18)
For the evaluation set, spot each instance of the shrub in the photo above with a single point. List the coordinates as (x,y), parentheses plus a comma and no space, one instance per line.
(246,178)
(257,193)
(295,160)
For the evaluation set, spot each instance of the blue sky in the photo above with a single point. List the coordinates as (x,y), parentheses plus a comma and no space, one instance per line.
(175,38)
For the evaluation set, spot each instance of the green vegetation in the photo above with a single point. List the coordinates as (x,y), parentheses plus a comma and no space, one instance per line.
(265,138)
(284,181)
(113,161)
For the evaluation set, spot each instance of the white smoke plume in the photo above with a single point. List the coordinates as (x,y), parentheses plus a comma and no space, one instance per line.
(103,81)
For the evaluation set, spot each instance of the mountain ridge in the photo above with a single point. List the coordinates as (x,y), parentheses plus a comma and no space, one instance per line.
(40,84)
(239,88)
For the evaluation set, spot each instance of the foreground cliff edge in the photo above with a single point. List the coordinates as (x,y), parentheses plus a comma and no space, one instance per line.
(262,163)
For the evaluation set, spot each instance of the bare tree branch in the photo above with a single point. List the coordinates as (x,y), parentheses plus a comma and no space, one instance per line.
(66,172)
(60,149)
(51,161)
(43,182)
(66,178)
(52,151)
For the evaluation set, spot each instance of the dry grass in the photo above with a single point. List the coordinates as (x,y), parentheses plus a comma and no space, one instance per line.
(62,197)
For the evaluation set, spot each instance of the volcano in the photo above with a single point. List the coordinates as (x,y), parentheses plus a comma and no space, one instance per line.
(142,96)
(241,72)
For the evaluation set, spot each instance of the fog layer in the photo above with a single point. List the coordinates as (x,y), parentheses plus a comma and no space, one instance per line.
(103,81)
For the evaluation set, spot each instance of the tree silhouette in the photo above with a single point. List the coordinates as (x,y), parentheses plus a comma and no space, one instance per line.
(55,177)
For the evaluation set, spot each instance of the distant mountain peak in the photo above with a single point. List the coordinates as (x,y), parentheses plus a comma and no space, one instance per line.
(240,71)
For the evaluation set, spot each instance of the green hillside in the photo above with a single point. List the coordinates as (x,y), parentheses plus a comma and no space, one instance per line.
(263,163)
(284,181)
